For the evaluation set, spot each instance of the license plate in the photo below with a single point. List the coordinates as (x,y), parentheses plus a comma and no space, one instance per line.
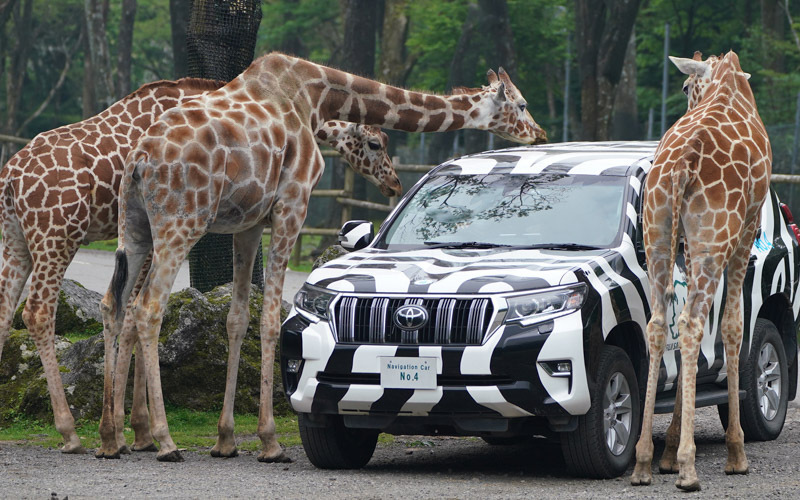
(408,373)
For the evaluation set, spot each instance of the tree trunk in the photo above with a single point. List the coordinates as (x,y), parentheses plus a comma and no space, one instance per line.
(19,54)
(494,17)
(395,64)
(626,114)
(603,31)
(772,22)
(6,9)
(179,20)
(96,12)
(124,48)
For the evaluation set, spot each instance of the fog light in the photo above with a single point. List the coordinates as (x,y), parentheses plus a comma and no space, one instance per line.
(293,365)
(557,368)
(564,366)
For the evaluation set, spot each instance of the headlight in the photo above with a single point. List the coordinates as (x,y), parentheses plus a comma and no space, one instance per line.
(313,300)
(545,305)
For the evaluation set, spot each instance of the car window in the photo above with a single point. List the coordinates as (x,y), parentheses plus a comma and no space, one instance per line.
(509,209)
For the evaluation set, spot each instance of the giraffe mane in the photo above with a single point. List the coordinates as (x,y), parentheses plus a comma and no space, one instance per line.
(195,83)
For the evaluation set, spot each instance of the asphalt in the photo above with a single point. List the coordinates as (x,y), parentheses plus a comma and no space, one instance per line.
(93,270)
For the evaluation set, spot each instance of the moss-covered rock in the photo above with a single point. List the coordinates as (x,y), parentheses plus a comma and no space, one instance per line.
(329,254)
(193,355)
(78,311)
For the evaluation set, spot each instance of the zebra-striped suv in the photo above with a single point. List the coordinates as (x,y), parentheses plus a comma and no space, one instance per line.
(506,297)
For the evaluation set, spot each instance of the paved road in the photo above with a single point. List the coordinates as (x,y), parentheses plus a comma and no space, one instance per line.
(93,269)
(413,467)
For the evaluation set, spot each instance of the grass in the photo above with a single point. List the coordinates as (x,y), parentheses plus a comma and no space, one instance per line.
(191,430)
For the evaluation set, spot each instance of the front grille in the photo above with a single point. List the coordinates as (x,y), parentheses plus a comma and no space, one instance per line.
(369,320)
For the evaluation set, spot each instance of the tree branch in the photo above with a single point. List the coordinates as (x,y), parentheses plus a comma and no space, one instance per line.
(785,6)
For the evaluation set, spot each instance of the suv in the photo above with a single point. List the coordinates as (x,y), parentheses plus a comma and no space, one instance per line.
(507,297)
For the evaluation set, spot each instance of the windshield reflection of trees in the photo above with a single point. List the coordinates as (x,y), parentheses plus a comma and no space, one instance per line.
(460,200)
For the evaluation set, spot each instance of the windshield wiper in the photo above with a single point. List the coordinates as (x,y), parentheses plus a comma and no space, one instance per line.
(462,244)
(556,246)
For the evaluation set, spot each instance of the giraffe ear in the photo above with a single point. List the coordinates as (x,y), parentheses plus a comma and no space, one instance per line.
(690,66)
(501,93)
(746,75)
(491,76)
(698,56)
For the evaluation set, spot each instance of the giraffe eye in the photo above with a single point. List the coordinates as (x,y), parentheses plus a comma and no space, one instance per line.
(522,107)
(374,145)
(686,89)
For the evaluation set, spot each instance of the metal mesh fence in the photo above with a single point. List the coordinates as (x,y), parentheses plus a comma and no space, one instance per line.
(220,42)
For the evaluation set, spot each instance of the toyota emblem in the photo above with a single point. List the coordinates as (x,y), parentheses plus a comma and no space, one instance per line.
(410,317)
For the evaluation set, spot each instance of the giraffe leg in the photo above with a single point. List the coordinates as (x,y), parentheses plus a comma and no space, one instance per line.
(732,340)
(669,459)
(656,339)
(148,312)
(39,316)
(140,416)
(245,246)
(17,265)
(115,322)
(287,218)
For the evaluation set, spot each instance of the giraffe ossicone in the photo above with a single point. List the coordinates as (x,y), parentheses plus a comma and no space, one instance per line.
(236,160)
(709,179)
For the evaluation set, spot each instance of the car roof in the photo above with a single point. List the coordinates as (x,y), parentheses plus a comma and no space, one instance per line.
(573,158)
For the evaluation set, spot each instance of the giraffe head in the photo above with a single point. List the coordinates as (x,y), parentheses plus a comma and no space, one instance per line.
(506,109)
(364,148)
(700,78)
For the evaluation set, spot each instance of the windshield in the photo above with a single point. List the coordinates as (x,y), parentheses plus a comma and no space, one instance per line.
(517,210)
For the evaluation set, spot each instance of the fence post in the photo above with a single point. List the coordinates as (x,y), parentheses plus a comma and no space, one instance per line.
(349,183)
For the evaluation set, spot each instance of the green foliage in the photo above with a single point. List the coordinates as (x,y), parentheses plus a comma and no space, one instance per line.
(435,27)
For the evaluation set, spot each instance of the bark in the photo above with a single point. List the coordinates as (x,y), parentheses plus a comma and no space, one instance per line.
(395,63)
(360,24)
(603,31)
(179,22)
(494,19)
(124,48)
(772,22)
(96,12)
(18,55)
(626,114)
(6,9)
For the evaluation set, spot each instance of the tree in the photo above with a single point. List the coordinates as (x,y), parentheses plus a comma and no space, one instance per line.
(124,48)
(603,30)
(179,21)
(395,63)
(100,79)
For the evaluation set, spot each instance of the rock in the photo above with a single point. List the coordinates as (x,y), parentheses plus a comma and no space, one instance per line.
(329,254)
(193,353)
(78,310)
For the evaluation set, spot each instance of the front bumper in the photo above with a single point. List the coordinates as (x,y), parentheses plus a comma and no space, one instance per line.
(501,379)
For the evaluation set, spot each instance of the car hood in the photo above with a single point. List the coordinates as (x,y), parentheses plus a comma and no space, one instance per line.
(441,271)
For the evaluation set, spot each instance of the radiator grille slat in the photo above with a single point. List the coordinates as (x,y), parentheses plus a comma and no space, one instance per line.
(370,320)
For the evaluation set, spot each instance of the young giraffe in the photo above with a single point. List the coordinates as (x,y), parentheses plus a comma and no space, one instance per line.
(244,157)
(60,191)
(709,179)
(364,148)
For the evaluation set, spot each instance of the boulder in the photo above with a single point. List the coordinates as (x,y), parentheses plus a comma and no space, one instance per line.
(193,352)
(329,254)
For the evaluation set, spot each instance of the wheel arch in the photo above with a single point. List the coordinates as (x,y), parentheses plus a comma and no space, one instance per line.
(629,337)
(778,310)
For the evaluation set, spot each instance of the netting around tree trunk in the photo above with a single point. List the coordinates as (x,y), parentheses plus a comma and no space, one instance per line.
(220,42)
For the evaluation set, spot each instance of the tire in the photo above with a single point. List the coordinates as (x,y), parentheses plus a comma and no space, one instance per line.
(765,377)
(336,446)
(586,450)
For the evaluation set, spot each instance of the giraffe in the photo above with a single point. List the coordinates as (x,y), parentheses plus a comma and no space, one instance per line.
(709,179)
(58,192)
(364,148)
(236,160)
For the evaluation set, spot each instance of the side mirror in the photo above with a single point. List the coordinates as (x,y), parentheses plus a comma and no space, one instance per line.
(356,234)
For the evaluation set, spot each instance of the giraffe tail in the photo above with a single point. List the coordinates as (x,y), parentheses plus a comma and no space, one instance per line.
(681,176)
(118,281)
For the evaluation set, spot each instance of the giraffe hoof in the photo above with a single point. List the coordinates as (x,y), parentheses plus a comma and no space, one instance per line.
(230,454)
(106,454)
(146,447)
(73,450)
(124,450)
(688,484)
(668,468)
(641,475)
(282,458)
(640,481)
(173,456)
(731,470)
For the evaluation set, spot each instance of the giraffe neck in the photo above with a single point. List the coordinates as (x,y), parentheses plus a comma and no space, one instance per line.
(331,94)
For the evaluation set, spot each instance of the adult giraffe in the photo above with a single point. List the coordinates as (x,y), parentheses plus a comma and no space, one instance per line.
(244,157)
(709,179)
(60,191)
